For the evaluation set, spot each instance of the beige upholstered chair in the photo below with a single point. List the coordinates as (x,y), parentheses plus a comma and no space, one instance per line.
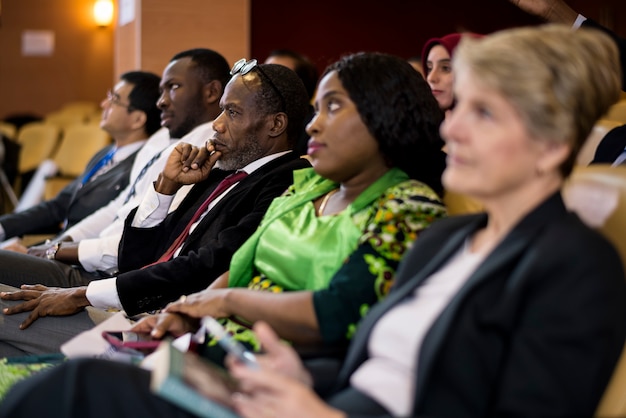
(62,120)
(78,144)
(617,112)
(94,117)
(8,129)
(600,129)
(598,194)
(80,106)
(613,403)
(78,112)
(38,141)
(458,204)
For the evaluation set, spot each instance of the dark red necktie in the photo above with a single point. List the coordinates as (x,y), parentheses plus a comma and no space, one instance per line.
(221,187)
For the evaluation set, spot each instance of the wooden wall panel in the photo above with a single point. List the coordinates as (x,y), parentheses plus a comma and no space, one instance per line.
(81,67)
(168,27)
(127,45)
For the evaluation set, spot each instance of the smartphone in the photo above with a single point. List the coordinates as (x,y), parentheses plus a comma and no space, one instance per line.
(228,343)
(130,339)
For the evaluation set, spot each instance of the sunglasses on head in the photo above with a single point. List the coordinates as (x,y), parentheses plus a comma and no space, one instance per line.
(243,67)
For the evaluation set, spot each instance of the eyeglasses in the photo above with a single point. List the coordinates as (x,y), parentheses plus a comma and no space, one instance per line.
(115,99)
(243,67)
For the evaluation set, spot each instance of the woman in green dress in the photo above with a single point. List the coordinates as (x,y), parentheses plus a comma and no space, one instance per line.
(328,249)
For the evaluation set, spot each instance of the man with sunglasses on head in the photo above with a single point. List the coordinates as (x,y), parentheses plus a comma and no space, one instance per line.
(129,116)
(237,174)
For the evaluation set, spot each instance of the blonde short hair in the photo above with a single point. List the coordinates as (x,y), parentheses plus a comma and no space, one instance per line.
(560,81)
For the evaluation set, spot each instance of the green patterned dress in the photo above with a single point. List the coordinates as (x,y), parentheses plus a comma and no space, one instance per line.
(348,260)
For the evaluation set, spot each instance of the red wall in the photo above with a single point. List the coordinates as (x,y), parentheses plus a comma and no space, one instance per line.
(326,29)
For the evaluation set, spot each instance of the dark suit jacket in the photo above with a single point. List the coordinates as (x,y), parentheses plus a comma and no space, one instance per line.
(611,146)
(73,202)
(535,331)
(207,252)
(621,45)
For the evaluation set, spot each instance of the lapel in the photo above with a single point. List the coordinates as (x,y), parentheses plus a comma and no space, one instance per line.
(507,252)
(111,179)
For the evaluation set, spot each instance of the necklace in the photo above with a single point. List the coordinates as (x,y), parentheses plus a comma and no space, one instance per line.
(325,200)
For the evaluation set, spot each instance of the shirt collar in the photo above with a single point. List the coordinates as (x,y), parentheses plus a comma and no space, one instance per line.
(255,165)
(124,151)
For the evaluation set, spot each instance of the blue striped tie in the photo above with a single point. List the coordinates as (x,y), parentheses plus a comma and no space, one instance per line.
(99,165)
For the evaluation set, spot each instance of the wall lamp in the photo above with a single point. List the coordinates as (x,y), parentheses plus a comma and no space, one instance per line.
(103,13)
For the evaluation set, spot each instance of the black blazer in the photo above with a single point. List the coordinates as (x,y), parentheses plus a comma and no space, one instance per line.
(621,45)
(535,331)
(207,252)
(73,202)
(611,146)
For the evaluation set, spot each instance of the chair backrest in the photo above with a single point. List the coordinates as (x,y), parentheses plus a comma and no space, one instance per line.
(598,194)
(78,144)
(64,119)
(94,117)
(78,111)
(79,106)
(600,129)
(37,140)
(8,129)
(458,204)
(617,112)
(613,402)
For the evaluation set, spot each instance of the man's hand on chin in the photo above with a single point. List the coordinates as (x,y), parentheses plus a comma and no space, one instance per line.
(43,301)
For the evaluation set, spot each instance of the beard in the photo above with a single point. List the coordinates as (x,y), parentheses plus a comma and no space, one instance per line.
(246,153)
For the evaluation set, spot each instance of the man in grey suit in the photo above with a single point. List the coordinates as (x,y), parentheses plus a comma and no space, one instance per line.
(130,116)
